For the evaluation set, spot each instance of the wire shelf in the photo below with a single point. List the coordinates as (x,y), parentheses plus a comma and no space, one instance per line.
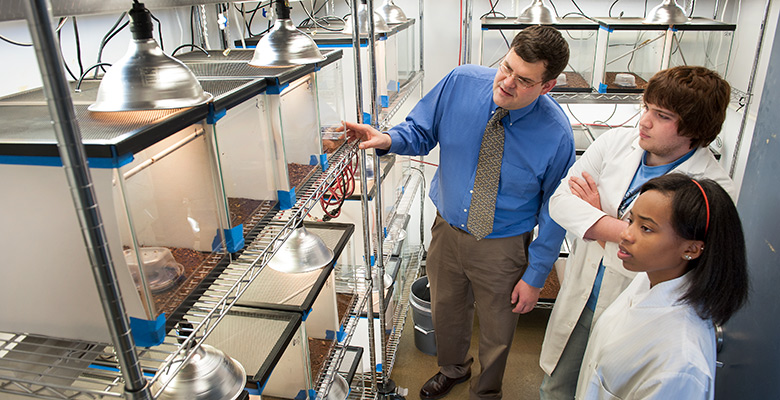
(398,100)
(52,368)
(331,366)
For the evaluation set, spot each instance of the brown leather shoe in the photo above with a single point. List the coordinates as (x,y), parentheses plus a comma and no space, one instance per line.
(438,386)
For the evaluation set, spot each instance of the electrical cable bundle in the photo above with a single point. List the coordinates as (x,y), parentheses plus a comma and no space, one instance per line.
(339,190)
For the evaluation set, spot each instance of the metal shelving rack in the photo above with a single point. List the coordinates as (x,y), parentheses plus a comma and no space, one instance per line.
(68,357)
(67,368)
(375,384)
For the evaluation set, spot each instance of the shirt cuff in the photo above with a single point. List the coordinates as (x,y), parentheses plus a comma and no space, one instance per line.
(534,277)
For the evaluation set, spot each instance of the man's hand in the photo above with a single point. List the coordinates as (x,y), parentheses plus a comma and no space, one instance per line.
(524,297)
(369,137)
(586,189)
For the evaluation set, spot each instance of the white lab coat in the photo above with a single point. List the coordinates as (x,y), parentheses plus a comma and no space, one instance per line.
(649,345)
(612,159)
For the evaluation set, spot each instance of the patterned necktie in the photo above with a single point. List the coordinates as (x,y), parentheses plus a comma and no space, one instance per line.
(483,199)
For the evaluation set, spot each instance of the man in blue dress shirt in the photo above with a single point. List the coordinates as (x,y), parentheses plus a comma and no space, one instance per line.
(465,271)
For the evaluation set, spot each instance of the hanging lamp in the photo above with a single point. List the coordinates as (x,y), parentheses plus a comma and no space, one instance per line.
(146,78)
(536,13)
(668,13)
(302,252)
(285,45)
(380,25)
(391,13)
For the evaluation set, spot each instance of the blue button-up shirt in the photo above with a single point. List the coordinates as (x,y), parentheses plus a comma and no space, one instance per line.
(538,151)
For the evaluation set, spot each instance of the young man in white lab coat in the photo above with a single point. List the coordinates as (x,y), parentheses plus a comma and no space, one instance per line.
(684,108)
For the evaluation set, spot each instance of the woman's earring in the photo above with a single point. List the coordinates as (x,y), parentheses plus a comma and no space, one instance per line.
(687,257)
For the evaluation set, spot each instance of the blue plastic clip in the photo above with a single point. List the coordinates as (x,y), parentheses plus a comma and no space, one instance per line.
(324,164)
(215,115)
(276,89)
(148,333)
(286,199)
(235,238)
(306,314)
(384,101)
(367,118)
(602,88)
(306,394)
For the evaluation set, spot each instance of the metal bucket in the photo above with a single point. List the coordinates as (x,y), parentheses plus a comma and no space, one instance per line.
(420,300)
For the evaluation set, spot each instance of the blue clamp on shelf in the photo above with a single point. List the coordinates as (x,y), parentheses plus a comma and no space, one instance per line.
(610,30)
(384,100)
(215,115)
(367,118)
(379,367)
(338,335)
(286,199)
(602,88)
(148,333)
(324,164)
(306,314)
(276,89)
(261,388)
(235,238)
(371,260)
(306,394)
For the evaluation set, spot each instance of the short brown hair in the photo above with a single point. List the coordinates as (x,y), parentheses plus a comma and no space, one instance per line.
(699,96)
(543,43)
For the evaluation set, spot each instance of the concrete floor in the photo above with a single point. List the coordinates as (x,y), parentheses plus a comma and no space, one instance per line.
(523,374)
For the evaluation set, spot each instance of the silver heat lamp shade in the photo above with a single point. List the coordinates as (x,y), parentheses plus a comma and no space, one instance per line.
(209,374)
(285,45)
(391,13)
(668,12)
(339,390)
(536,13)
(146,78)
(302,252)
(380,25)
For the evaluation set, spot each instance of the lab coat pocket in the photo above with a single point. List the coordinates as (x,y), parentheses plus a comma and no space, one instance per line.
(595,387)
(604,393)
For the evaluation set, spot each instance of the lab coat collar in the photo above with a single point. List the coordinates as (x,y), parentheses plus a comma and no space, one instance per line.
(695,165)
(664,294)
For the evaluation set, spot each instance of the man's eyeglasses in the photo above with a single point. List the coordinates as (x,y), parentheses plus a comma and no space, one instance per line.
(522,81)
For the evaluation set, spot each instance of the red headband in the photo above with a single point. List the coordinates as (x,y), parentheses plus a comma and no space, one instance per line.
(707,203)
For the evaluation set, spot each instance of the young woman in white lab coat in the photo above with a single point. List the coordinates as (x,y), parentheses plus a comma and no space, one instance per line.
(657,339)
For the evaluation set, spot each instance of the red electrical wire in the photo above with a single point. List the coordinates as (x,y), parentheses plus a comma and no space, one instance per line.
(337,193)
(424,162)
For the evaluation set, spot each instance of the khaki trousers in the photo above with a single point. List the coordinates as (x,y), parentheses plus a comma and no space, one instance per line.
(463,273)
